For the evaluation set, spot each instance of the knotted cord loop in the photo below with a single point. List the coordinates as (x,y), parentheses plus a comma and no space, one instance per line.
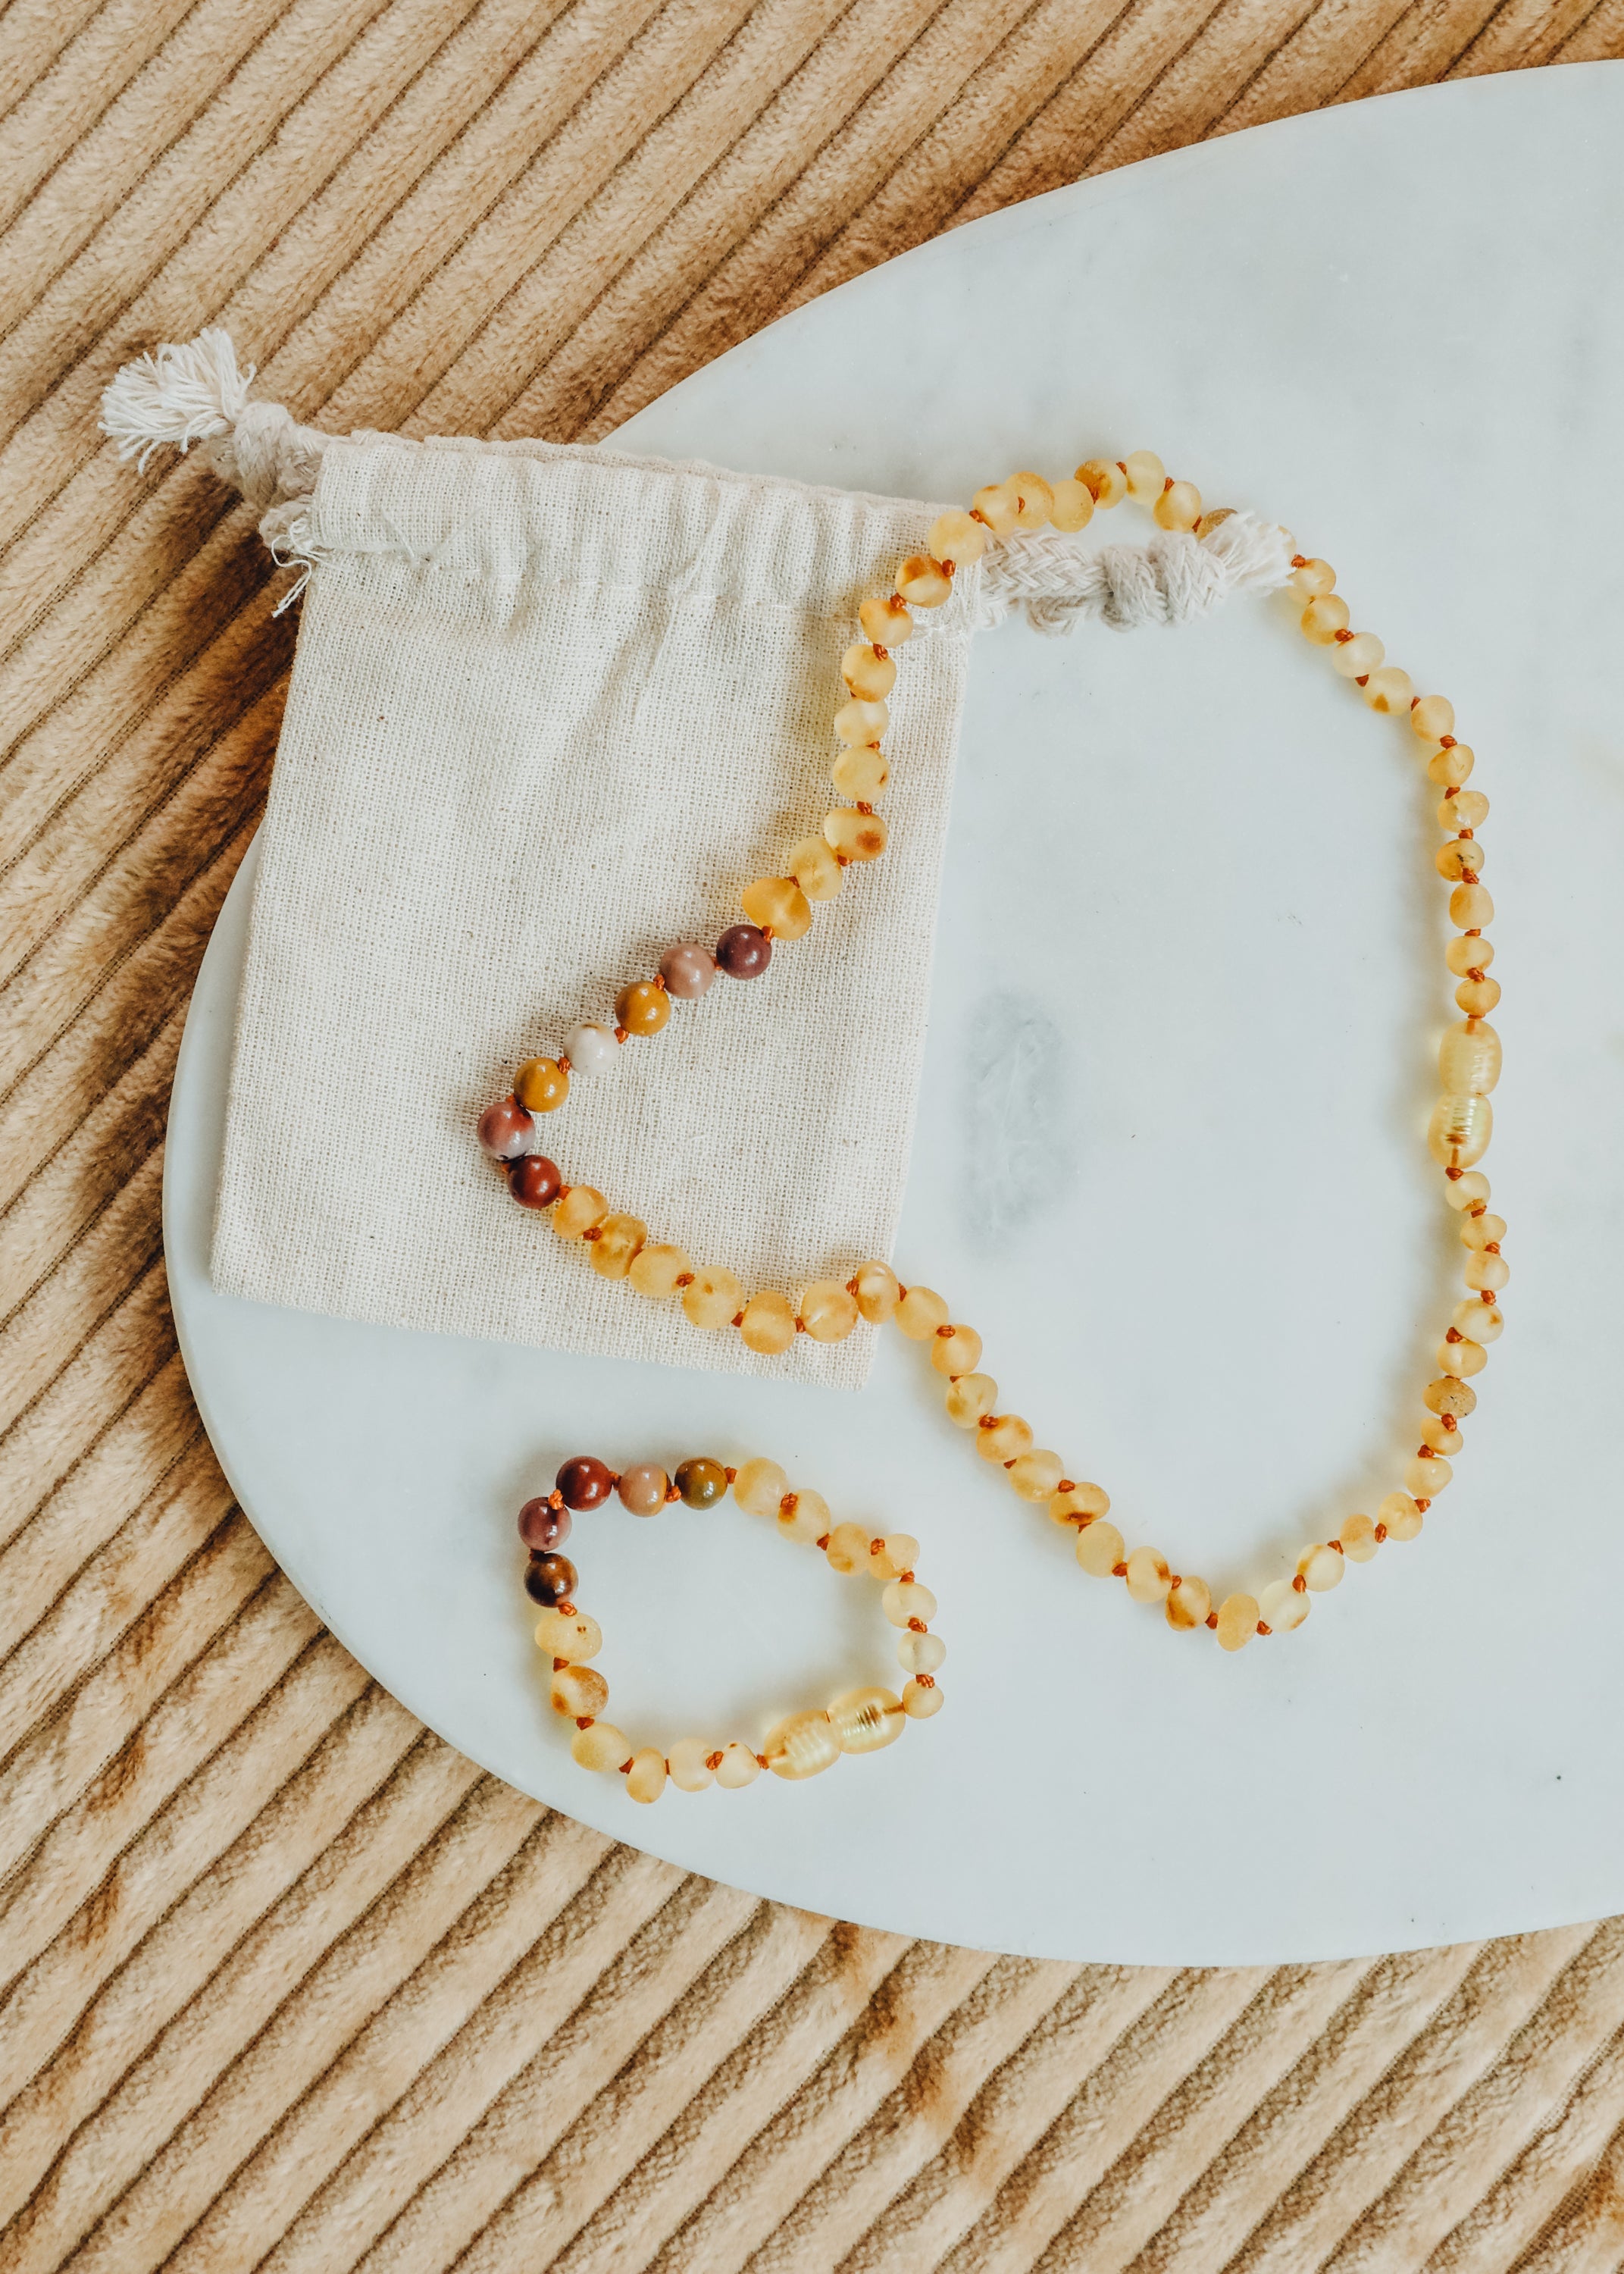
(1169,580)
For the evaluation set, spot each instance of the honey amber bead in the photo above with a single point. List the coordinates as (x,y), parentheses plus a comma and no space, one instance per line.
(904,1600)
(919,1654)
(854,836)
(656,1270)
(568,1635)
(1358,1538)
(957,1351)
(778,902)
(1005,1440)
(1356,658)
(1324,617)
(580,1209)
(1104,480)
(956,537)
(584,1482)
(1488,1273)
(713,1297)
(870,675)
(1073,506)
(1178,507)
(828,1313)
(1459,1131)
(1441,1436)
(645,1780)
(642,1489)
(802,1745)
(1477,997)
(920,1313)
(886,619)
(1451,767)
(1037,500)
(1427,1477)
(971,1395)
(898,1553)
(1149,1578)
(703,1483)
(1400,1515)
(1433,716)
(1188,1605)
(1146,475)
(600,1746)
(1462,856)
(551,1579)
(1463,1358)
(534,1181)
(1314,577)
(1481,1229)
(858,772)
(759,1487)
(541,1084)
(1078,1500)
(803,1515)
(923,583)
(505,1130)
(737,1767)
(1483,1322)
(1035,1475)
(642,1008)
(1470,908)
(1463,808)
(1099,1547)
(814,867)
(1282,1608)
(849,1549)
(1468,952)
(768,1326)
(1468,1191)
(998,506)
(878,1292)
(687,970)
(1388,691)
(1469,1060)
(1449,1396)
(580,1692)
(1237,1622)
(744,952)
(861,722)
(864,1720)
(621,1240)
(921,1700)
(688,1762)
(1320,1568)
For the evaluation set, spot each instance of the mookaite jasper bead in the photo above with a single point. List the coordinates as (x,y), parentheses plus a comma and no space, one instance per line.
(541,1084)
(534,1181)
(642,1489)
(802,1745)
(686,970)
(701,1482)
(591,1050)
(505,1129)
(584,1482)
(743,951)
(862,1721)
(542,1526)
(642,1008)
(780,902)
(550,1579)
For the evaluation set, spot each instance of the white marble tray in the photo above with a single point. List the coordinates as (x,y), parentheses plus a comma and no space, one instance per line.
(1194,1219)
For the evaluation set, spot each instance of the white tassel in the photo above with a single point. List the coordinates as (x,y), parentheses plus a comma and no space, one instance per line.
(181,394)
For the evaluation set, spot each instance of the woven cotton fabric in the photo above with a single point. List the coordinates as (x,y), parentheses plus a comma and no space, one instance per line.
(551,708)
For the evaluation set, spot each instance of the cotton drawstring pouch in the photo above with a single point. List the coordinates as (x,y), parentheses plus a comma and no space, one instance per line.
(551,708)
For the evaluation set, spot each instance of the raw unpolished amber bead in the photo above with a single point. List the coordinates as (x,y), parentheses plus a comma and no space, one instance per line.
(568,1634)
(886,619)
(619,1241)
(688,1761)
(1462,856)
(578,1691)
(828,1313)
(898,1553)
(1238,1621)
(645,1780)
(737,1767)
(957,1351)
(848,1548)
(1358,1538)
(904,1599)
(1104,480)
(1035,1475)
(1468,1191)
(812,863)
(1282,1606)
(642,1008)
(1487,1273)
(861,722)
(1459,1131)
(656,1270)
(1178,507)
(919,1654)
(1426,1477)
(878,1292)
(1483,1321)
(854,836)
(759,1487)
(921,1700)
(1477,997)
(580,1209)
(802,1745)
(1314,577)
(1099,1547)
(1325,616)
(971,1396)
(1400,1517)
(1188,1604)
(1036,498)
(1149,1578)
(1470,908)
(859,772)
(1463,808)
(1005,1439)
(1073,506)
(803,1515)
(1468,951)
(1449,768)
(1322,1568)
(920,1313)
(541,1084)
(870,675)
(957,537)
(923,583)
(1433,716)
(1146,475)
(777,901)
(1469,1060)
(714,1298)
(998,506)
(1390,692)
(1461,1358)
(768,1323)
(864,1720)
(600,1746)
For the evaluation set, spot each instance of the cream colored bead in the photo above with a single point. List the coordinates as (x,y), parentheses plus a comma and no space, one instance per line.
(1073,506)
(1470,908)
(1467,1192)
(859,773)
(972,1397)
(1462,1359)
(1451,767)
(1483,1322)
(1488,1273)
(779,904)
(1189,1604)
(1358,656)
(861,722)
(1035,1475)
(1442,1435)
(714,1298)
(1358,1538)
(1468,952)
(865,1719)
(768,1327)
(802,1745)
(921,1700)
(580,1209)
(828,1313)
(1006,1440)
(1313,578)
(1037,500)
(919,1654)
(656,1270)
(1238,1621)
(1099,1547)
(759,1487)
(1390,692)
(737,1767)
(803,1515)
(689,1765)
(878,1292)
(1322,1568)
(1079,1499)
(957,1351)
(956,537)
(1401,1517)
(1282,1606)
(1178,507)
(600,1745)
(1459,1131)
(580,1692)
(848,1548)
(898,1553)
(903,1599)
(1104,480)
(886,619)
(998,506)
(645,1780)
(1485,1230)
(1463,808)
(1149,1577)
(1433,716)
(920,1313)
(1469,1060)
(1324,617)
(923,583)
(1426,1479)
(619,1241)
(1477,997)
(568,1635)
(869,675)
(854,836)
(1145,475)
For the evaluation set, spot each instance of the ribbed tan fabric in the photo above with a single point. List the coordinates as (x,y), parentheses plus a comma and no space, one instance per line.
(284,1982)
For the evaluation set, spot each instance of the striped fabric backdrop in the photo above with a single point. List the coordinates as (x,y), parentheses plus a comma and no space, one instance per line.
(284,1982)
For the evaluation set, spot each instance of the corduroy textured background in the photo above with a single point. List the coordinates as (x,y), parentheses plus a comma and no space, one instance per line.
(285,1983)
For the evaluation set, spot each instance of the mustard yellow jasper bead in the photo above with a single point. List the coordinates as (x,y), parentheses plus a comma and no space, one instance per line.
(541,1084)
(642,1008)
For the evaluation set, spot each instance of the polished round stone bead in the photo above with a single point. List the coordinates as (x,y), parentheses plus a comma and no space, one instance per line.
(642,1008)
(505,1129)
(686,970)
(642,1489)
(550,1579)
(743,951)
(541,1084)
(701,1483)
(534,1181)
(585,1482)
(591,1050)
(542,1526)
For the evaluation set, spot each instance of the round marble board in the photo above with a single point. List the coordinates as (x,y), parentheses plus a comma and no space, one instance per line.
(1187,997)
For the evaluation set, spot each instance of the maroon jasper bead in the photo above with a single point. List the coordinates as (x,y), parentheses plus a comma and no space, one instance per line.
(584,1482)
(542,1526)
(535,1181)
(550,1579)
(744,952)
(505,1129)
